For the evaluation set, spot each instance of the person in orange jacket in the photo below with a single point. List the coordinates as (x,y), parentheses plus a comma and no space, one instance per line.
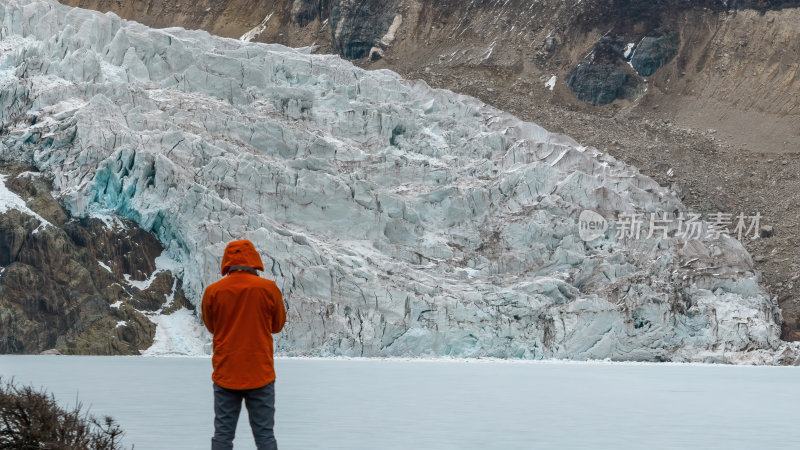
(243,311)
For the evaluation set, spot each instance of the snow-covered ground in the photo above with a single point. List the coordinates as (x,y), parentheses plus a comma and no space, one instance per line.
(179,333)
(165,403)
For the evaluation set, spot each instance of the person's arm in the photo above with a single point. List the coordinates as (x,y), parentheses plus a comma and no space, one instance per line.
(208,318)
(279,313)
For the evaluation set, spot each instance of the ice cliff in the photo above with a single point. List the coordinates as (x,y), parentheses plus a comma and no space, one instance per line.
(398,220)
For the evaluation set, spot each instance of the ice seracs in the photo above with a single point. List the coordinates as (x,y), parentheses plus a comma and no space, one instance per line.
(397,219)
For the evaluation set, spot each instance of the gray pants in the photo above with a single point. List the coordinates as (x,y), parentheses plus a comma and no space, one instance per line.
(260,404)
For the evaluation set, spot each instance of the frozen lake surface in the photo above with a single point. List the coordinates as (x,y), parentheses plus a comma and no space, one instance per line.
(166,403)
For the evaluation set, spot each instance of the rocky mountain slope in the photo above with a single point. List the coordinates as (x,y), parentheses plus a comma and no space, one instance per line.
(397,219)
(706,90)
(716,64)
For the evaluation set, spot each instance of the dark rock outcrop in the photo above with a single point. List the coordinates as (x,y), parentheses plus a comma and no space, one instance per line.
(64,287)
(604,76)
(601,84)
(306,11)
(654,52)
(358,25)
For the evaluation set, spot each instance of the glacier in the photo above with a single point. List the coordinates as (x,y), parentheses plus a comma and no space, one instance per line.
(397,219)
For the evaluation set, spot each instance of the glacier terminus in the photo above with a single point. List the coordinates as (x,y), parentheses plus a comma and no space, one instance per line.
(397,219)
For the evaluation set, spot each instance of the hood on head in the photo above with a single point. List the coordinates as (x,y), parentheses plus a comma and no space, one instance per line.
(241,253)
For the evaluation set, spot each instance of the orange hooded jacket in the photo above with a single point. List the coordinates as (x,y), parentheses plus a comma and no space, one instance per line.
(242,311)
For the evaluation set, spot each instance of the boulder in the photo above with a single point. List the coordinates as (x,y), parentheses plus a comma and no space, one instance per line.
(653,52)
(601,84)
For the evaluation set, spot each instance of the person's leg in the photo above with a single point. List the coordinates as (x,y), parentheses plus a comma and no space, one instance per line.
(227,405)
(261,409)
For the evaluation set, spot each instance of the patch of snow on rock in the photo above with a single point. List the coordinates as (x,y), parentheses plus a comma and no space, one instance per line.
(179,333)
(163,263)
(255,32)
(10,200)
(551,83)
(28,174)
(629,50)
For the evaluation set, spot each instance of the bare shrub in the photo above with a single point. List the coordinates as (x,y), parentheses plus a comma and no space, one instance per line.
(31,419)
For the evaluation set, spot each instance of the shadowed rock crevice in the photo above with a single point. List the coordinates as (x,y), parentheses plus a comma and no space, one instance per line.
(305,11)
(357,26)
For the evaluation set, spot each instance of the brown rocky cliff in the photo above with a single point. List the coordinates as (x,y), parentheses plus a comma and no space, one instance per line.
(63,287)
